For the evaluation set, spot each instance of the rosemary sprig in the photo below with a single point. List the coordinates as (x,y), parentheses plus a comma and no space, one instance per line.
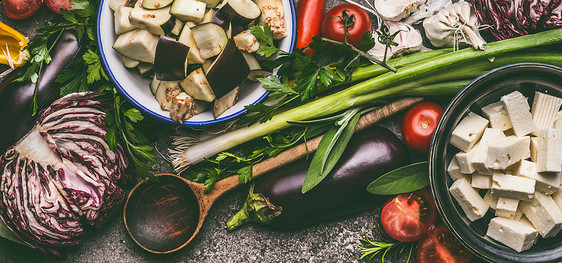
(387,245)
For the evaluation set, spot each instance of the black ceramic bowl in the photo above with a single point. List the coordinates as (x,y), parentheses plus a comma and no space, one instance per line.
(488,88)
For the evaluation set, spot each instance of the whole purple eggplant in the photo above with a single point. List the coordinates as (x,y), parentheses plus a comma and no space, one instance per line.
(276,198)
(16,98)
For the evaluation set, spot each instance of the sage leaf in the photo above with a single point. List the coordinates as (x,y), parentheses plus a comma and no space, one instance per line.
(401,180)
(329,151)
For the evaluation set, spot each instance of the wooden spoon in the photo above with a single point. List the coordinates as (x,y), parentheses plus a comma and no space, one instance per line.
(165,216)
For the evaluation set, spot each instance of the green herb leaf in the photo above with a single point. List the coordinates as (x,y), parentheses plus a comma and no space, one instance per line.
(245,174)
(329,151)
(401,180)
(308,86)
(266,51)
(134,115)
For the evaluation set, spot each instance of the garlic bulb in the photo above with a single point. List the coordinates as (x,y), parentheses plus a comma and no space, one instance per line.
(454,24)
(408,39)
(395,10)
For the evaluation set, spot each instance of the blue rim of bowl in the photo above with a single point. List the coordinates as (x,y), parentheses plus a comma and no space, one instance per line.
(167,119)
(432,151)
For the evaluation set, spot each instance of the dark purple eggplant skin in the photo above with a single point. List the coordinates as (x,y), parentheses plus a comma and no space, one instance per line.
(16,98)
(170,59)
(369,154)
(228,71)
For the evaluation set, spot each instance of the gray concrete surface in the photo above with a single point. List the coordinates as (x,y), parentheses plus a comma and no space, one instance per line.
(333,241)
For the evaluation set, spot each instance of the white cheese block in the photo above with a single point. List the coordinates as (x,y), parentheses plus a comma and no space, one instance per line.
(463,160)
(469,200)
(558,123)
(518,215)
(491,200)
(481,181)
(557,197)
(468,131)
(544,110)
(549,154)
(519,113)
(507,207)
(545,182)
(480,159)
(497,115)
(507,151)
(544,214)
(513,187)
(453,170)
(534,148)
(512,233)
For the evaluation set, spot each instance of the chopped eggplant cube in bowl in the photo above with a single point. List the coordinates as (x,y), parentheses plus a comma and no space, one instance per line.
(495,164)
(191,62)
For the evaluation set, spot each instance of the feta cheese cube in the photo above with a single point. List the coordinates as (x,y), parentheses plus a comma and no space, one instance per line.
(481,181)
(544,214)
(558,123)
(463,160)
(491,200)
(480,159)
(497,115)
(469,200)
(453,170)
(545,182)
(512,233)
(468,131)
(513,187)
(519,114)
(545,108)
(507,151)
(518,215)
(507,207)
(557,197)
(549,154)
(534,148)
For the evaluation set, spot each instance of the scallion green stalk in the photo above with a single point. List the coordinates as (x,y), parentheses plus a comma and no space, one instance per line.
(373,89)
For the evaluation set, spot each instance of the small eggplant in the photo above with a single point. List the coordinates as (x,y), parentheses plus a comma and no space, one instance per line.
(16,98)
(276,198)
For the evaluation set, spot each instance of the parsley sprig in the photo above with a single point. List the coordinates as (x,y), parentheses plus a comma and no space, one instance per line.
(85,73)
(304,75)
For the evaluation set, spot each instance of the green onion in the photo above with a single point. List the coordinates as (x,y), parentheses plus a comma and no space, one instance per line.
(407,78)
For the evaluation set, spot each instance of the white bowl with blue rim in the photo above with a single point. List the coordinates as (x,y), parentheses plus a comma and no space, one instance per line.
(136,89)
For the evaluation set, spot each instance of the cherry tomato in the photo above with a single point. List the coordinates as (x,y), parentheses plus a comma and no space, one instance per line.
(57,5)
(20,9)
(309,16)
(406,217)
(419,125)
(332,26)
(440,246)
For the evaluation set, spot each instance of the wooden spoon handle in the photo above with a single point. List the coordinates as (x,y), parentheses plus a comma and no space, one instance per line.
(301,150)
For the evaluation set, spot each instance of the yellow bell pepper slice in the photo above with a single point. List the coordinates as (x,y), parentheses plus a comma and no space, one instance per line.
(12,44)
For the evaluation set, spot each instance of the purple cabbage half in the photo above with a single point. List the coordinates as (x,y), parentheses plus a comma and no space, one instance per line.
(512,18)
(62,174)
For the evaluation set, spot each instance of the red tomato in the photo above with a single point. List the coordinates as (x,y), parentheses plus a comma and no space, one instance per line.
(57,5)
(332,26)
(406,217)
(20,9)
(440,246)
(309,15)
(419,125)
